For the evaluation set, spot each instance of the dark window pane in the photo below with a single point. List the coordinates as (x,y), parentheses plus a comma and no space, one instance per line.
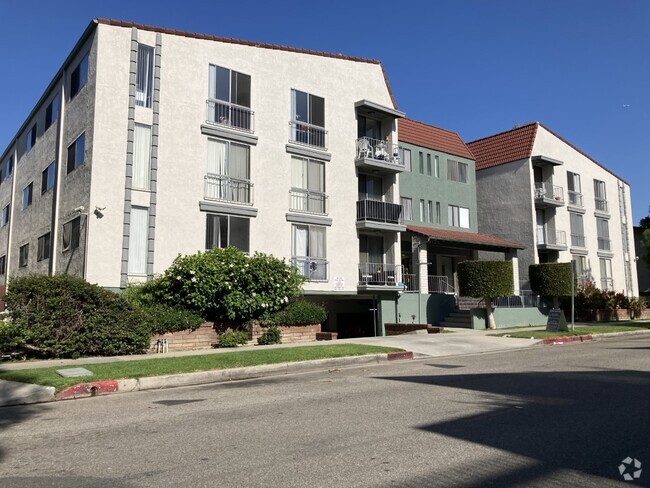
(240,233)
(79,149)
(223,231)
(222,90)
(317,111)
(300,106)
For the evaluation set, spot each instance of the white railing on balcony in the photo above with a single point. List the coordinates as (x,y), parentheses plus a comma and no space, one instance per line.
(380,274)
(227,189)
(525,299)
(308,134)
(314,269)
(552,238)
(607,284)
(577,240)
(575,198)
(308,201)
(379,150)
(549,192)
(411,282)
(601,205)
(440,284)
(231,115)
(375,211)
(604,244)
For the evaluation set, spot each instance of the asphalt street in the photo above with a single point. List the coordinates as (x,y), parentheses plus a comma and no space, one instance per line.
(546,416)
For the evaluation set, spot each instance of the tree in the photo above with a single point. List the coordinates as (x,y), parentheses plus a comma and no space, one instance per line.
(645,238)
(487,280)
(551,280)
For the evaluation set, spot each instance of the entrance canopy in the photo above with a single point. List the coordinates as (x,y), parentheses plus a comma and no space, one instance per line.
(473,240)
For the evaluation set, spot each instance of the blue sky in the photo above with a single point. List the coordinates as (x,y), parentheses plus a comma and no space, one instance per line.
(581,67)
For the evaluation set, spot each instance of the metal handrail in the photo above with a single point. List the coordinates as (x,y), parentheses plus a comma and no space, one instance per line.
(301,200)
(307,134)
(229,114)
(227,189)
(549,191)
(380,274)
(376,211)
(601,205)
(575,198)
(440,284)
(314,269)
(377,149)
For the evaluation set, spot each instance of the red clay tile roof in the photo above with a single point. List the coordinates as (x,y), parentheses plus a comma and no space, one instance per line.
(262,45)
(420,134)
(466,237)
(505,147)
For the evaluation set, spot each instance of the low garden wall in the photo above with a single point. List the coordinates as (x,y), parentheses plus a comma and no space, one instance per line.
(609,315)
(397,329)
(290,334)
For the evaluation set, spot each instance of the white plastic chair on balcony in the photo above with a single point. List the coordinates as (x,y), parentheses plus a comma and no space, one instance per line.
(363,148)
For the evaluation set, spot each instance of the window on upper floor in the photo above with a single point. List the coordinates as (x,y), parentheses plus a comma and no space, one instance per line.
(141,172)
(438,214)
(308,251)
(47,177)
(458,216)
(456,171)
(436,167)
(423,216)
(27,195)
(308,119)
(71,234)
(606,277)
(577,230)
(430,211)
(44,247)
(3,264)
(574,189)
(228,177)
(602,227)
(9,167)
(227,230)
(52,112)
(405,155)
(421,162)
(600,194)
(229,98)
(138,239)
(23,256)
(307,192)
(407,207)
(429,169)
(31,138)
(76,153)
(144,76)
(583,273)
(79,77)
(6,215)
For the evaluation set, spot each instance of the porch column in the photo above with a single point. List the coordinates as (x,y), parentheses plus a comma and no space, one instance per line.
(512,257)
(420,255)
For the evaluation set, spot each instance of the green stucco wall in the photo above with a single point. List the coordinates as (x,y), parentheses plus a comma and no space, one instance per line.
(427,308)
(509,317)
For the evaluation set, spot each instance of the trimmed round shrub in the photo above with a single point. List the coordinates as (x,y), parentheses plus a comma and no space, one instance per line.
(233,338)
(272,335)
(299,312)
(67,317)
(550,279)
(485,279)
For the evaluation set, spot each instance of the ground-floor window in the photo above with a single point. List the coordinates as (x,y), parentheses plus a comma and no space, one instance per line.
(227,230)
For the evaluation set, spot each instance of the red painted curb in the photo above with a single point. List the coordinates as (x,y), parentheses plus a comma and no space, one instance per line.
(396,356)
(562,340)
(89,389)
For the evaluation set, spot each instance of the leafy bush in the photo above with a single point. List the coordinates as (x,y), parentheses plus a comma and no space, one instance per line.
(638,305)
(226,284)
(12,336)
(272,335)
(164,319)
(233,338)
(551,279)
(65,316)
(485,279)
(299,312)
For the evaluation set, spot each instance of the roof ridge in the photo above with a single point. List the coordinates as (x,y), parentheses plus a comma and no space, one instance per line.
(505,132)
(433,126)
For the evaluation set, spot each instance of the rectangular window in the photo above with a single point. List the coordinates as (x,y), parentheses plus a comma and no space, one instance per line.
(44,247)
(23,256)
(456,171)
(8,167)
(47,177)
(421,162)
(429,169)
(27,195)
(577,230)
(141,157)
(308,186)
(144,76)
(407,207)
(308,119)
(430,211)
(229,94)
(602,227)
(3,265)
(52,112)
(308,251)
(138,238)
(458,216)
(228,177)
(582,269)
(423,217)
(438,214)
(79,77)
(5,215)
(31,138)
(405,155)
(600,194)
(76,153)
(226,230)
(606,280)
(71,232)
(574,189)
(436,167)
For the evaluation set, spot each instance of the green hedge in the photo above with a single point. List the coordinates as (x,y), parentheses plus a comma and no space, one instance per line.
(485,279)
(272,335)
(65,316)
(550,279)
(300,312)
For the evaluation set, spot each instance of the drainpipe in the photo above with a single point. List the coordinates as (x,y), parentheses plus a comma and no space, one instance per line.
(54,244)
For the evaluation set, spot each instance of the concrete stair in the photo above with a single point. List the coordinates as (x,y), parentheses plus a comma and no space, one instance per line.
(460,318)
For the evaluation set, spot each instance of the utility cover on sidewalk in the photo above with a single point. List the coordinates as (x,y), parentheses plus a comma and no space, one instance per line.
(74,372)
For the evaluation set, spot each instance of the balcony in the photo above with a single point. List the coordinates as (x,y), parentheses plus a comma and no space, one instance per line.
(314,269)
(380,276)
(226,189)
(378,215)
(578,240)
(575,199)
(230,115)
(306,201)
(548,195)
(440,284)
(307,134)
(607,284)
(604,244)
(548,240)
(410,282)
(380,157)
(601,206)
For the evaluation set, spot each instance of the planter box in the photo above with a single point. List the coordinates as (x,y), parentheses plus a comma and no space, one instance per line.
(603,315)
(186,340)
(397,329)
(290,334)
(327,336)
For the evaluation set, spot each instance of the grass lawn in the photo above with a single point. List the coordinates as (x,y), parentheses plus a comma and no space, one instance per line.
(580,330)
(189,364)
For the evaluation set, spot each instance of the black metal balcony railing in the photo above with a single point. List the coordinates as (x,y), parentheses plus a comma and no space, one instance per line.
(227,189)
(549,191)
(601,205)
(308,201)
(377,149)
(314,269)
(380,274)
(552,238)
(375,211)
(231,115)
(308,134)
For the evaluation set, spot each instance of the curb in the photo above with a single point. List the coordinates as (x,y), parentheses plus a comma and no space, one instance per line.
(562,340)
(597,337)
(100,388)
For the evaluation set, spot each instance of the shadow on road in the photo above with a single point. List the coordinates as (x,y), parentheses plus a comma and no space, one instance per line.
(10,416)
(579,421)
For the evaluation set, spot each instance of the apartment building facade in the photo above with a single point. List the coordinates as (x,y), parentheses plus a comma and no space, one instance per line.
(150,143)
(538,189)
